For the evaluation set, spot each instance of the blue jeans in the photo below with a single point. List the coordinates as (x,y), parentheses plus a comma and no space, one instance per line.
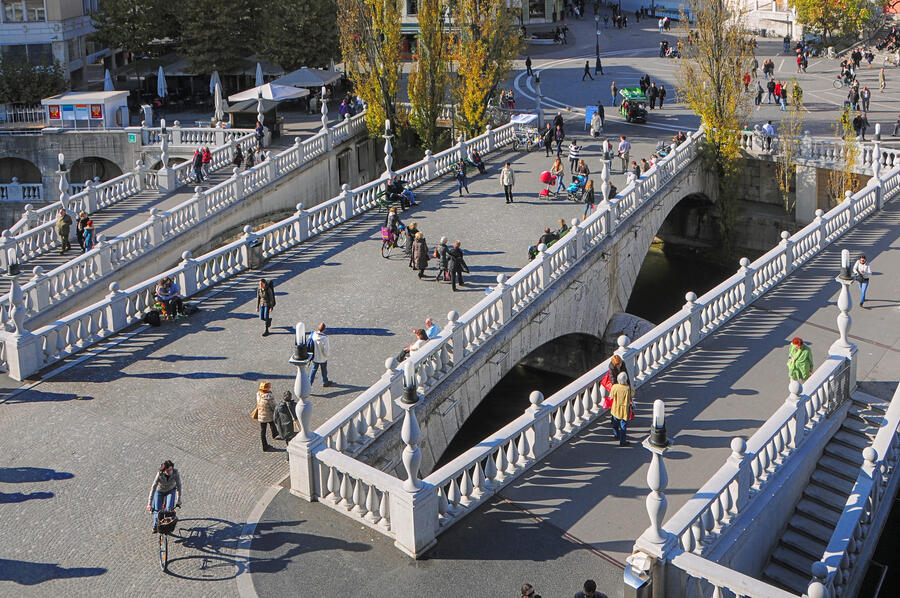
(863,286)
(620,428)
(460,183)
(560,183)
(614,100)
(161,500)
(315,368)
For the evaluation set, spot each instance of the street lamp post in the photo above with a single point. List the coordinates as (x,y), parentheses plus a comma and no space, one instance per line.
(597,46)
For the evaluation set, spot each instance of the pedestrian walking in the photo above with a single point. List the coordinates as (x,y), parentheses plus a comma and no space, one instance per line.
(662,95)
(507,179)
(769,131)
(260,132)
(588,197)
(63,227)
(653,94)
(861,274)
(548,140)
(321,349)
(745,79)
(624,152)
(528,591)
(457,265)
(528,66)
(265,302)
(589,590)
(759,94)
(622,395)
(596,124)
(419,255)
(614,90)
(205,161)
(557,171)
(559,136)
(587,70)
(238,158)
(770,87)
(800,363)
(89,236)
(881,80)
(197,165)
(574,151)
(250,161)
(79,228)
(265,413)
(865,95)
(442,254)
(461,180)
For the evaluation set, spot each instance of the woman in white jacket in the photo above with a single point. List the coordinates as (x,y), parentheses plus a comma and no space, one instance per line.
(321,348)
(861,273)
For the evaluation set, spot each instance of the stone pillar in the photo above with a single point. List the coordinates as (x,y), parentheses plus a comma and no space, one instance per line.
(394,378)
(740,461)
(696,323)
(629,356)
(23,349)
(251,255)
(7,245)
(301,224)
(457,335)
(843,347)
(787,247)
(429,165)
(63,186)
(156,231)
(806,194)
(238,183)
(490,138)
(505,299)
(346,202)
(40,293)
(747,286)
(90,196)
(103,253)
(388,151)
(462,148)
(166,179)
(116,317)
(187,278)
(304,446)
(199,203)
(539,436)
(796,402)
(14,190)
(543,264)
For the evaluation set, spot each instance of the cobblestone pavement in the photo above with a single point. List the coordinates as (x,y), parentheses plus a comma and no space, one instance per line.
(81,447)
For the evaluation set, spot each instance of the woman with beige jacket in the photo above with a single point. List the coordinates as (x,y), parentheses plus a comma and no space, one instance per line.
(265,413)
(622,399)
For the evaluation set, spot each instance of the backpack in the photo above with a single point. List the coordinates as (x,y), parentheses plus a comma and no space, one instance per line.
(152,318)
(311,346)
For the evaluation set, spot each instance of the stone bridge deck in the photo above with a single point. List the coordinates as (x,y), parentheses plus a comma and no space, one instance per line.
(184,391)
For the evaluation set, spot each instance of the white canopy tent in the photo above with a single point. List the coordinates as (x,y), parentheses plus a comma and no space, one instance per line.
(270,91)
(307,77)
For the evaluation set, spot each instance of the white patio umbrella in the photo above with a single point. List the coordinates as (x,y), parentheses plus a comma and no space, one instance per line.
(108,82)
(269,91)
(217,97)
(213,80)
(259,75)
(161,89)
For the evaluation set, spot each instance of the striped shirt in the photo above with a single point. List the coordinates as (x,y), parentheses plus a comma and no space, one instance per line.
(574,150)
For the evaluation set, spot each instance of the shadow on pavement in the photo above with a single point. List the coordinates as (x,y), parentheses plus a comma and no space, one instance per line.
(28,573)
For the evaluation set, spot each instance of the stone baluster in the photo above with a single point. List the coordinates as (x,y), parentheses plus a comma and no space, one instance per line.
(505,299)
(842,346)
(695,320)
(7,247)
(456,332)
(346,202)
(237,183)
(394,378)
(116,316)
(388,151)
(304,446)
(156,228)
(90,196)
(187,275)
(817,587)
(539,435)
(489,131)
(462,148)
(747,287)
(629,356)
(324,110)
(543,265)
(23,349)
(301,224)
(198,202)
(787,249)
(797,425)
(740,461)
(103,255)
(820,230)
(40,297)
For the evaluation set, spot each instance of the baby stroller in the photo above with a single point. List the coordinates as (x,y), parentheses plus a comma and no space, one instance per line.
(548,180)
(575,190)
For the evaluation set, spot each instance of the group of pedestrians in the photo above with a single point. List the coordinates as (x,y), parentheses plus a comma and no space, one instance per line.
(84,231)
(450,258)
(248,160)
(200,164)
(588,590)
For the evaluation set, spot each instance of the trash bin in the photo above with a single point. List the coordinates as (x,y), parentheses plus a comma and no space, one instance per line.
(148,114)
(762,33)
(637,585)
(255,254)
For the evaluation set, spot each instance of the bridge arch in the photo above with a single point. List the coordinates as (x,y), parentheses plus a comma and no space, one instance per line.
(93,167)
(25,171)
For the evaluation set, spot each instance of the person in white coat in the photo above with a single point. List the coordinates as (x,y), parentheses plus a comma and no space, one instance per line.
(321,349)
(507,179)
(861,274)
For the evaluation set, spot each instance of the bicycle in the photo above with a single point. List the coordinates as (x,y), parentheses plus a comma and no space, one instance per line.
(840,82)
(389,242)
(165,525)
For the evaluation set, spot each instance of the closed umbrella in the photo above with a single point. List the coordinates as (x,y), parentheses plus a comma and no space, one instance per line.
(217,97)
(108,82)
(214,78)
(259,75)
(161,89)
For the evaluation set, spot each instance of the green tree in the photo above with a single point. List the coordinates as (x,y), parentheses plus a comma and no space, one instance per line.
(128,24)
(370,45)
(709,83)
(218,35)
(834,16)
(844,179)
(429,77)
(789,147)
(295,33)
(23,83)
(486,43)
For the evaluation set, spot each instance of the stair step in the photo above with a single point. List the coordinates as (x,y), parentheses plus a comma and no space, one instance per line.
(807,545)
(817,512)
(852,438)
(861,398)
(839,467)
(813,527)
(836,483)
(862,423)
(787,578)
(787,557)
(825,496)
(851,455)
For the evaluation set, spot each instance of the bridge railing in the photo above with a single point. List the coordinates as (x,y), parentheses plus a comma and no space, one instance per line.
(703,577)
(16,191)
(72,333)
(177,135)
(864,512)
(823,150)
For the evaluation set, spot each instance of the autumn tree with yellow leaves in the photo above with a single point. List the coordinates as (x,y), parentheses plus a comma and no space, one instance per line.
(709,83)
(370,45)
(429,77)
(485,41)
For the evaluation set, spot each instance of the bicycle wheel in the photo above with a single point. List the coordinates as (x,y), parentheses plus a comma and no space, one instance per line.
(163,551)
(402,238)
(386,248)
(837,83)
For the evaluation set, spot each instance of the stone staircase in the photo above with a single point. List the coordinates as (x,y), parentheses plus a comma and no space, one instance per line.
(815,516)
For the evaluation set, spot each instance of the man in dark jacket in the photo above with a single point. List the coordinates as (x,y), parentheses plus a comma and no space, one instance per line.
(558,122)
(443,255)
(197,165)
(457,264)
(770,87)
(548,139)
(653,93)
(63,227)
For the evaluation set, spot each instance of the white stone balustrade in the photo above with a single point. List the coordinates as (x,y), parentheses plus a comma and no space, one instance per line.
(704,578)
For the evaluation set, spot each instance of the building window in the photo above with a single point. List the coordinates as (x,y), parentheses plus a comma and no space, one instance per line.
(412,7)
(20,11)
(537,9)
(32,53)
(74,46)
(89,6)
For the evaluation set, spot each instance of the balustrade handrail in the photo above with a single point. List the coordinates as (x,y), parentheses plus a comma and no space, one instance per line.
(724,578)
(865,497)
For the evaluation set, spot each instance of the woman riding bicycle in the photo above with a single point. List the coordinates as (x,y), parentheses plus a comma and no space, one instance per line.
(393,224)
(165,493)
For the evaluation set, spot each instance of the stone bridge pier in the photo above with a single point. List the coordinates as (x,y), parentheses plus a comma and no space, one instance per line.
(580,302)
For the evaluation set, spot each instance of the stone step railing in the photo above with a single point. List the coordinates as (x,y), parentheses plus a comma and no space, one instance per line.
(446,114)
(706,578)
(16,191)
(851,545)
(191,136)
(67,335)
(476,475)
(717,505)
(827,151)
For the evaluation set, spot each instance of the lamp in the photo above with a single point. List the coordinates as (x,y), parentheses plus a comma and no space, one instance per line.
(301,353)
(845,266)
(658,427)
(410,394)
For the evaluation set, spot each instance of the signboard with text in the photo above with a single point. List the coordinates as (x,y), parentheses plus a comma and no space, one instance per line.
(81,112)
(54,112)
(96,111)
(68,112)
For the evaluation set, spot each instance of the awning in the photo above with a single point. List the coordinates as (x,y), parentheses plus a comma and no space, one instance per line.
(307,77)
(270,91)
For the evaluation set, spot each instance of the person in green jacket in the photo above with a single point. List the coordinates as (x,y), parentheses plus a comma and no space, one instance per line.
(800,363)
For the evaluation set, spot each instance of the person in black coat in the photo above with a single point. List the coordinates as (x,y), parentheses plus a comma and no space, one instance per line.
(457,264)
(265,302)
(548,139)
(442,253)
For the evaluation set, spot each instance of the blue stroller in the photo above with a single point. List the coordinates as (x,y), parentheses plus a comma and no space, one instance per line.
(575,190)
